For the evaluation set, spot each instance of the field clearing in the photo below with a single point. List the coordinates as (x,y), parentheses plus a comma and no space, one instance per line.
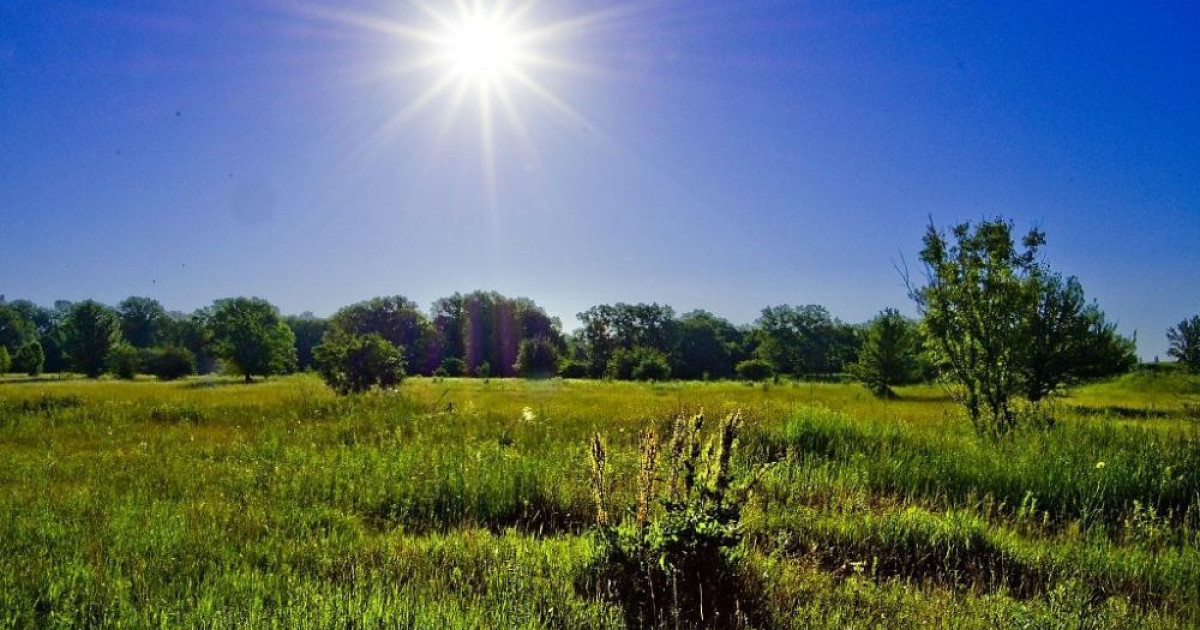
(463,503)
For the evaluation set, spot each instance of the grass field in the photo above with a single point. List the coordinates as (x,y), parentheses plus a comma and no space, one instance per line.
(469,504)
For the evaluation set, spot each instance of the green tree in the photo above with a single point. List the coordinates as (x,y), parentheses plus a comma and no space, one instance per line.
(536,358)
(5,361)
(804,340)
(249,334)
(979,292)
(609,327)
(1069,339)
(396,319)
(888,355)
(144,322)
(15,329)
(29,359)
(356,363)
(1185,343)
(90,330)
(308,330)
(708,346)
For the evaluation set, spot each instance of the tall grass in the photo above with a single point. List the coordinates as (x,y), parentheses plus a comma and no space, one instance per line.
(464,504)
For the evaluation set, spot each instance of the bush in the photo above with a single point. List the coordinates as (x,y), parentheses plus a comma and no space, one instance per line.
(679,559)
(755,370)
(572,368)
(29,359)
(124,361)
(483,370)
(452,366)
(171,363)
(5,360)
(639,364)
(356,363)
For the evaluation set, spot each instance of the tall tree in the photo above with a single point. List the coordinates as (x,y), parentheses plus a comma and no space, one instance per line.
(609,327)
(90,331)
(395,318)
(144,322)
(708,345)
(1185,343)
(15,329)
(250,334)
(308,330)
(804,340)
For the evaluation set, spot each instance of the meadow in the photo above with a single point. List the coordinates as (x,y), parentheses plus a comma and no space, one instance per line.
(464,503)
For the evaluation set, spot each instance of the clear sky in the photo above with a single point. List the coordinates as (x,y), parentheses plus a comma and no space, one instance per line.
(719,155)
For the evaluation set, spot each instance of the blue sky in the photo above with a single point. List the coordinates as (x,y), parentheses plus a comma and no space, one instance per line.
(718,155)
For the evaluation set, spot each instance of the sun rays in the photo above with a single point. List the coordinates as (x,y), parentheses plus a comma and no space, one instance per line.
(486,64)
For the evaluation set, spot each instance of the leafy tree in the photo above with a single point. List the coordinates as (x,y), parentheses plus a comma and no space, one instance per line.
(755,370)
(493,327)
(1185,343)
(29,359)
(976,302)
(536,358)
(249,334)
(90,331)
(356,363)
(396,319)
(124,361)
(804,340)
(144,322)
(708,346)
(1069,339)
(171,362)
(609,327)
(5,360)
(15,329)
(193,333)
(889,353)
(308,330)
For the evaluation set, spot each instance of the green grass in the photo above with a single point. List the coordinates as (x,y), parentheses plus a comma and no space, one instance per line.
(466,504)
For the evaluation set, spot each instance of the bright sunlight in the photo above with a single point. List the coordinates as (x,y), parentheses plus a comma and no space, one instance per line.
(482,49)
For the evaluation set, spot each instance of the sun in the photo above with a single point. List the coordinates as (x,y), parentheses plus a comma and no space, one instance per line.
(482,49)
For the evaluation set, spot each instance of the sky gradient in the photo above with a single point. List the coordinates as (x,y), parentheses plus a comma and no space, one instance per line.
(717,155)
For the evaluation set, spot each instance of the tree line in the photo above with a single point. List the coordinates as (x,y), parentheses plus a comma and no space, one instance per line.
(994,320)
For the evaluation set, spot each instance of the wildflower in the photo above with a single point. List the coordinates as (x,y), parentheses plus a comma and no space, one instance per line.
(527,415)
(1099,465)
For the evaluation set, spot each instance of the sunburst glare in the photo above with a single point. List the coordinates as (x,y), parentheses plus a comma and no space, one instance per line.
(485,63)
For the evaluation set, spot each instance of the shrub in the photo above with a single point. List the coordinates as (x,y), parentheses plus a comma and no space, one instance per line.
(171,363)
(755,370)
(29,359)
(124,361)
(639,364)
(5,360)
(572,368)
(679,559)
(356,363)
(483,370)
(453,366)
